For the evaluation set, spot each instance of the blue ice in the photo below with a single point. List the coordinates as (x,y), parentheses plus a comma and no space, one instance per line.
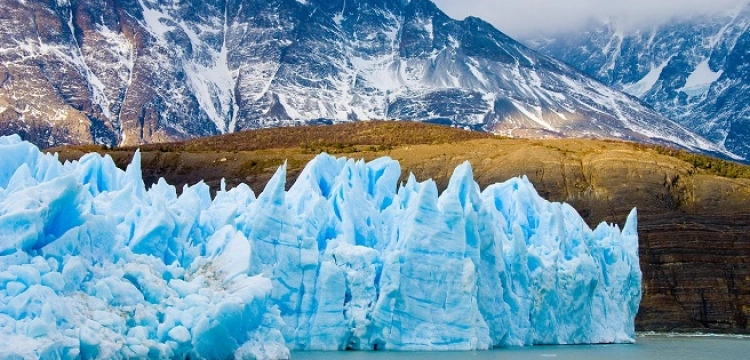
(94,265)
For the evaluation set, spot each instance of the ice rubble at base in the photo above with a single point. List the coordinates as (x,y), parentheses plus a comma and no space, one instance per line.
(94,265)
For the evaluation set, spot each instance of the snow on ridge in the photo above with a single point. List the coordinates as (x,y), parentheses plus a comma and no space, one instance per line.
(208,75)
(153,22)
(340,71)
(98,89)
(97,266)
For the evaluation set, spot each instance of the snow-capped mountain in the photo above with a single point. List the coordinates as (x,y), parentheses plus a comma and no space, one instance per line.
(695,70)
(136,71)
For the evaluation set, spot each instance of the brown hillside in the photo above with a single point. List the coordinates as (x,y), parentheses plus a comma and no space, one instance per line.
(694,211)
(385,133)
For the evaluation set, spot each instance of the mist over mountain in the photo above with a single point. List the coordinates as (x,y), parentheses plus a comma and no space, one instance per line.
(548,17)
(693,70)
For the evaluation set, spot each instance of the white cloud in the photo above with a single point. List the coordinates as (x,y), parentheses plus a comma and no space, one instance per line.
(527,17)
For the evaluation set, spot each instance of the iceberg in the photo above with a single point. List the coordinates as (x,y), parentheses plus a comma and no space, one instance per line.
(95,265)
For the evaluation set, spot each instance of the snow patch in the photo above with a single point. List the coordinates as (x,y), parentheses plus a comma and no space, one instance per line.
(701,79)
(153,23)
(536,116)
(641,87)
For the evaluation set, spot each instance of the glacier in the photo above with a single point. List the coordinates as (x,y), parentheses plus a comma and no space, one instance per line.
(93,264)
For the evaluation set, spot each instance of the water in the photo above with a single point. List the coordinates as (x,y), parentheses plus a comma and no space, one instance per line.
(646,347)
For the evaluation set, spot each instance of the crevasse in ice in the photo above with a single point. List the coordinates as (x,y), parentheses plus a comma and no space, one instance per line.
(95,265)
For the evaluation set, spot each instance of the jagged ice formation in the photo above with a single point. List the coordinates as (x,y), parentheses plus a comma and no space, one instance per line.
(93,264)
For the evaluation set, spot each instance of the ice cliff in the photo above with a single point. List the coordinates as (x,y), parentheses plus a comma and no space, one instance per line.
(95,265)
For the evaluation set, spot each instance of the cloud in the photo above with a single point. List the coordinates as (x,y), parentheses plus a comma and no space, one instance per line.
(529,17)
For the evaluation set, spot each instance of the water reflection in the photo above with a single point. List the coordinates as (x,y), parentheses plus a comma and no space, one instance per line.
(647,347)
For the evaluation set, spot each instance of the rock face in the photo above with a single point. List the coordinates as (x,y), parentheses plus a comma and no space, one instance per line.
(139,71)
(693,70)
(694,227)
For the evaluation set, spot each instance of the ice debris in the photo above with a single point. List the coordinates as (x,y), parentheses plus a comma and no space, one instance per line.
(94,265)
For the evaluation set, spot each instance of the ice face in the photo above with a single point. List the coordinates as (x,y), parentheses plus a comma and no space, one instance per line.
(95,265)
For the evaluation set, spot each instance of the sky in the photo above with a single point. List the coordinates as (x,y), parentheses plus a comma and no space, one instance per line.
(522,18)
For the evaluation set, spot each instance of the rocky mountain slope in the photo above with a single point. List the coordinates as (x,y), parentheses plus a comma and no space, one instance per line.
(693,70)
(694,211)
(141,71)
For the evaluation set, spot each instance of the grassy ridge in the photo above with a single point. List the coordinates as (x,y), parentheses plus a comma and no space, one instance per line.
(364,133)
(379,137)
(708,164)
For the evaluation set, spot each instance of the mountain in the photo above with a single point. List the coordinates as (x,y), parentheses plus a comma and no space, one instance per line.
(139,71)
(694,70)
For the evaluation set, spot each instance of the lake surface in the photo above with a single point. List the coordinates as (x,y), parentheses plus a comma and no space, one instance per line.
(646,347)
